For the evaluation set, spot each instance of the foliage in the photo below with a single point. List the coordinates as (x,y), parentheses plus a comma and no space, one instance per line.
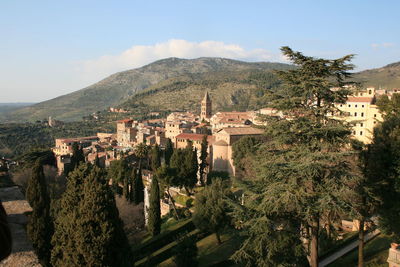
(244,148)
(210,208)
(384,171)
(88,231)
(154,212)
(186,252)
(302,173)
(138,186)
(169,150)
(155,157)
(45,157)
(212,175)
(17,139)
(40,226)
(203,159)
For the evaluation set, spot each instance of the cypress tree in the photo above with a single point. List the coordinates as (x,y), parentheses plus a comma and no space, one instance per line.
(88,230)
(40,226)
(102,239)
(155,158)
(169,150)
(154,218)
(125,190)
(139,187)
(132,180)
(203,159)
(66,238)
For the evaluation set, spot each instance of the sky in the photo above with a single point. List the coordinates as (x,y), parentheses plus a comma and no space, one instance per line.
(51,48)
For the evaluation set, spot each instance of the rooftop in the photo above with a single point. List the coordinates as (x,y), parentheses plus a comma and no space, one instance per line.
(194,137)
(242,131)
(360,99)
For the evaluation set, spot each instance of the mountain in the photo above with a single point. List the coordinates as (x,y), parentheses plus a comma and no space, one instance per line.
(387,77)
(178,84)
(119,87)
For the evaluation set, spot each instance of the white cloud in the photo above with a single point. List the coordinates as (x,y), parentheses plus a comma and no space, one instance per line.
(140,55)
(382,45)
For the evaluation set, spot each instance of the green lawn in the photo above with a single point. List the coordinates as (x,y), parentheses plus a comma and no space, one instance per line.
(211,253)
(375,253)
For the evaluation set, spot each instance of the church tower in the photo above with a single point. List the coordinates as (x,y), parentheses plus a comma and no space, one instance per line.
(205,108)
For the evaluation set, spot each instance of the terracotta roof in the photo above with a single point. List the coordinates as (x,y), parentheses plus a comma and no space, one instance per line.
(363,99)
(78,139)
(125,120)
(242,131)
(221,143)
(193,136)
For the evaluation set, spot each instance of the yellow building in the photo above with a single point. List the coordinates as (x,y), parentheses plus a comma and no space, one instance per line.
(360,110)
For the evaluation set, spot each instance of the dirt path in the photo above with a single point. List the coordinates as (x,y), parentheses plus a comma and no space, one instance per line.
(15,205)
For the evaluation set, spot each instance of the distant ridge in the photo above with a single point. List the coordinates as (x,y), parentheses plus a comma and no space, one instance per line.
(119,87)
(161,83)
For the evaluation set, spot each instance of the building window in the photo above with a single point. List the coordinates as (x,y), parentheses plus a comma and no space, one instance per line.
(361,132)
(374,115)
(362,106)
(361,124)
(341,105)
(354,132)
(362,114)
(355,105)
(349,105)
(355,114)
(374,122)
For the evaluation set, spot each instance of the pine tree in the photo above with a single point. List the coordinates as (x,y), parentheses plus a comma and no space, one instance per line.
(303,171)
(169,150)
(40,226)
(154,218)
(203,159)
(210,209)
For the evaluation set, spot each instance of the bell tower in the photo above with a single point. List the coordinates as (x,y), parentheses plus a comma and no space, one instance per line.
(205,113)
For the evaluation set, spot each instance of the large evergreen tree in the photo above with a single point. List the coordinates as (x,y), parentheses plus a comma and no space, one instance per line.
(88,231)
(139,187)
(203,159)
(154,212)
(40,226)
(302,172)
(155,155)
(169,150)
(211,209)
(384,167)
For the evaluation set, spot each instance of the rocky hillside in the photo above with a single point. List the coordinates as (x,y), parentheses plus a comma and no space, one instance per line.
(119,87)
(387,77)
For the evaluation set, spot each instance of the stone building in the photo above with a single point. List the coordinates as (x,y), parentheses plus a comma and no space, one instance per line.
(205,113)
(222,147)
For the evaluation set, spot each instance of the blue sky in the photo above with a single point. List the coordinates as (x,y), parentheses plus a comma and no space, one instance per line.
(50,48)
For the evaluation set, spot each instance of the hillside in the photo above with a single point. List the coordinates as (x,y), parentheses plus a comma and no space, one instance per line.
(238,90)
(119,87)
(387,77)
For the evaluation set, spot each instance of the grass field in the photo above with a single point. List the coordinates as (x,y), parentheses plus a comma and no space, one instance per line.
(375,254)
